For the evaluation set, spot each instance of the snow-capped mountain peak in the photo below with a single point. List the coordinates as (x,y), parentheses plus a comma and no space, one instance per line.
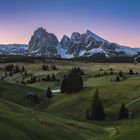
(14,49)
(78,45)
(88,44)
(75,36)
(96,37)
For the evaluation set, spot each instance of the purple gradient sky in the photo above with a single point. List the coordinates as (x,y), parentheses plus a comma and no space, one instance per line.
(115,20)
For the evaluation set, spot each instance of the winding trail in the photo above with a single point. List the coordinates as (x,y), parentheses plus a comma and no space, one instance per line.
(133,102)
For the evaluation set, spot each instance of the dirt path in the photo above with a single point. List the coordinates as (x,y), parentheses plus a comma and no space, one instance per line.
(138,99)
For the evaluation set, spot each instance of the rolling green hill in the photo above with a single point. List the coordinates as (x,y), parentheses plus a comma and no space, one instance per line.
(18,122)
(63,116)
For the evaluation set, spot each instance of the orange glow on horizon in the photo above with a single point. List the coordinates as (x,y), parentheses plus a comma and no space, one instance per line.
(19,37)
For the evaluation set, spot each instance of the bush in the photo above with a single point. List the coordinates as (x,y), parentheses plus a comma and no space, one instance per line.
(123,112)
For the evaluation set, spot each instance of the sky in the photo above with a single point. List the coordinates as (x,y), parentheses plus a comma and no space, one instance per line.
(115,20)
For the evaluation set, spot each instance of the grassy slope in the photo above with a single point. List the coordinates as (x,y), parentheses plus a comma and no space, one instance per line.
(16,93)
(112,94)
(20,123)
(71,107)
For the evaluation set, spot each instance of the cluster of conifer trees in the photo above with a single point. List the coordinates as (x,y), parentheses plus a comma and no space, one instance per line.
(33,79)
(49,93)
(105,73)
(46,67)
(121,75)
(10,70)
(72,82)
(50,78)
(96,110)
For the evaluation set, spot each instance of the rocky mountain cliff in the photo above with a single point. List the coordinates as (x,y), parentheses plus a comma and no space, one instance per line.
(87,44)
(43,43)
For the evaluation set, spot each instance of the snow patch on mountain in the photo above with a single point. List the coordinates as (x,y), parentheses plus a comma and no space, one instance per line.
(14,49)
(128,51)
(87,44)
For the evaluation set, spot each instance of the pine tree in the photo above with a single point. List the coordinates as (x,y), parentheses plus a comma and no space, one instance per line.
(97,110)
(17,69)
(131,72)
(111,71)
(64,84)
(72,83)
(49,92)
(43,67)
(48,78)
(23,69)
(117,78)
(53,77)
(54,67)
(33,79)
(123,112)
(120,74)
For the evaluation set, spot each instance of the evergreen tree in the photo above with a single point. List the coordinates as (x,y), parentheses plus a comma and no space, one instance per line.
(64,84)
(49,92)
(53,77)
(117,78)
(44,67)
(17,69)
(111,71)
(123,112)
(23,69)
(33,79)
(97,110)
(48,78)
(54,67)
(72,83)
(77,70)
(120,74)
(131,72)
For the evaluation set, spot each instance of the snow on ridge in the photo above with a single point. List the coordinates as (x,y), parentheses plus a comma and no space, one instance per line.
(14,49)
(91,52)
(129,51)
(96,37)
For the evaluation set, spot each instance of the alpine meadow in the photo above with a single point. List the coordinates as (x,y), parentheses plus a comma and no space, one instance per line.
(64,73)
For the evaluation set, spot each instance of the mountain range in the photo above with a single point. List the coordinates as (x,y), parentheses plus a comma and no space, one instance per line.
(86,45)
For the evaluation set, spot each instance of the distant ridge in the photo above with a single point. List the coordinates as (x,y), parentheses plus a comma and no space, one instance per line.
(85,45)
